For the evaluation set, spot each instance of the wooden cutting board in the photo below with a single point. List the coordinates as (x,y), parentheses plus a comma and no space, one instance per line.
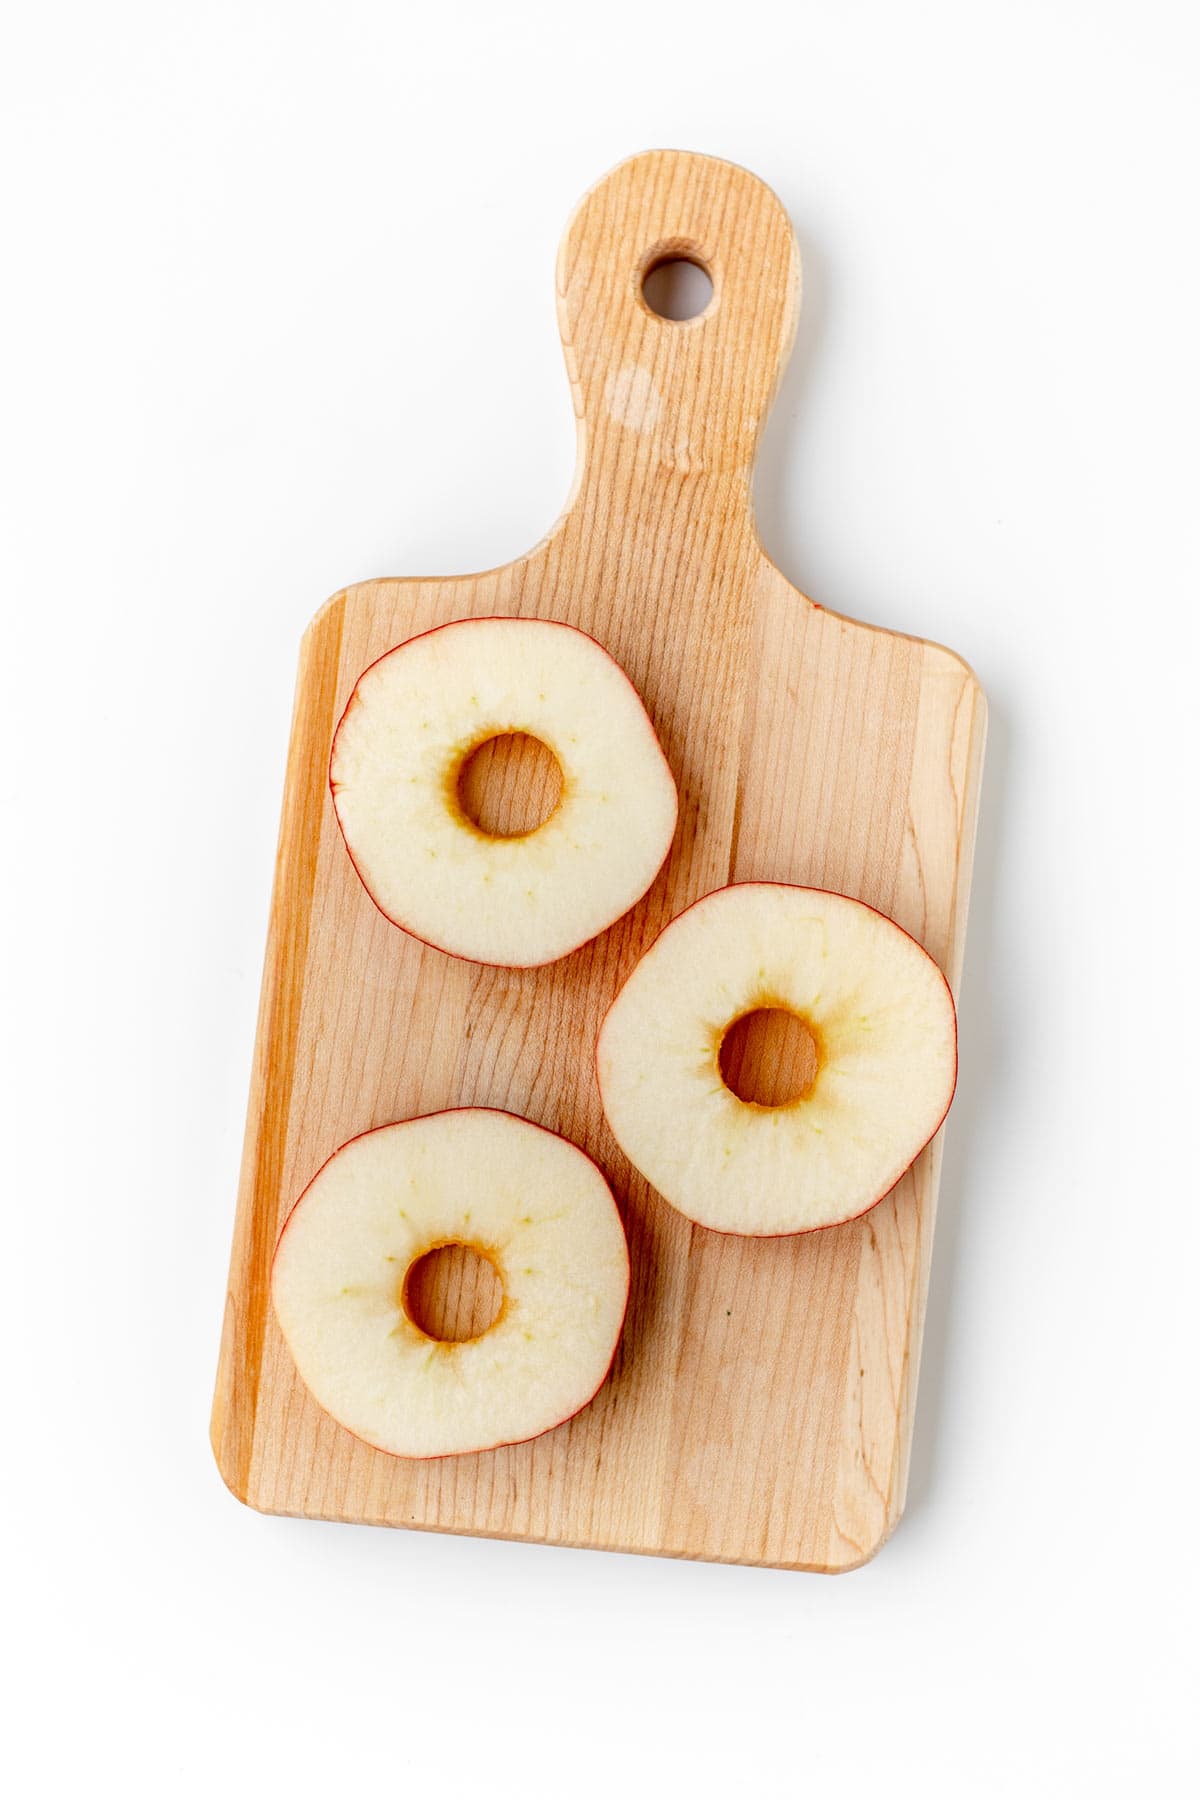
(760,1408)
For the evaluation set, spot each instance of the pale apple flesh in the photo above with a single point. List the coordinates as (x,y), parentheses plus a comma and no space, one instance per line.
(883,1031)
(535,1206)
(415,718)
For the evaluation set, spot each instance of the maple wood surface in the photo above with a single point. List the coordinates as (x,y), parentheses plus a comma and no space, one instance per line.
(760,1406)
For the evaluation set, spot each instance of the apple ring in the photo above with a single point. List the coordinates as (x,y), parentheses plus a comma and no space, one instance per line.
(532,1204)
(412,722)
(882,1067)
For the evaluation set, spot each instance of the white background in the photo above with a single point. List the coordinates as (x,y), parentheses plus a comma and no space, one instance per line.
(277,314)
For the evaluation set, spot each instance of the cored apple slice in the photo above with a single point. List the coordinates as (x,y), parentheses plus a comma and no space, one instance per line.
(881,1062)
(535,1207)
(412,724)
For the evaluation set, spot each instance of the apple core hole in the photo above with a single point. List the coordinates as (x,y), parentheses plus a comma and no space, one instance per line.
(510,785)
(769,1057)
(677,287)
(453,1293)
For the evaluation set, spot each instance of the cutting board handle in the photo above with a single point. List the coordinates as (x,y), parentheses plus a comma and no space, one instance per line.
(680,397)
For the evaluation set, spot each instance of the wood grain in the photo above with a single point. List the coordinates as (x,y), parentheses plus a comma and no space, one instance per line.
(760,1408)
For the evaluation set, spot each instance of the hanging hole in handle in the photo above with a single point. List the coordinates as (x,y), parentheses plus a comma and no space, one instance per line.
(676,284)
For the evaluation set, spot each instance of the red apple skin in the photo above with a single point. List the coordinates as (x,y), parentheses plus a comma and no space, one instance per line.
(493,619)
(834,1224)
(442,1112)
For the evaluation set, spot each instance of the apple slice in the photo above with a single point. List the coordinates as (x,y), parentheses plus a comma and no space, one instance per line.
(878,1065)
(342,1282)
(412,724)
